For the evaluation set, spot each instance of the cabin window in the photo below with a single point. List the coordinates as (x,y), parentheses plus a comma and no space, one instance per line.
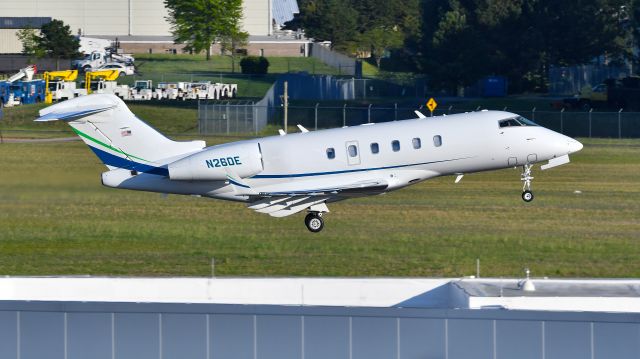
(375,148)
(437,140)
(395,145)
(331,153)
(416,143)
(353,150)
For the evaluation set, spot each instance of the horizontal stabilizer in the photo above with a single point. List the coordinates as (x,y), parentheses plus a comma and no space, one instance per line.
(73,114)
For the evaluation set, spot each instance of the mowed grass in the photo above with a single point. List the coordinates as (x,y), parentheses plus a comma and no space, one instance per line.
(56,218)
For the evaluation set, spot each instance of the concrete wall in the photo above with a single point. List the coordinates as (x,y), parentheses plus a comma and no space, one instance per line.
(123,17)
(69,330)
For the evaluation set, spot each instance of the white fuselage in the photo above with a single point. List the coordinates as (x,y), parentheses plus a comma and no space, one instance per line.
(469,142)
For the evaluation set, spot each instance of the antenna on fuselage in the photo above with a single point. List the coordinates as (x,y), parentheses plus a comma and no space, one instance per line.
(302,129)
(420,114)
(281,132)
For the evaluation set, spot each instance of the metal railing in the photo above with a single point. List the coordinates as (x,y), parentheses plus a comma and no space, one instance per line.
(618,124)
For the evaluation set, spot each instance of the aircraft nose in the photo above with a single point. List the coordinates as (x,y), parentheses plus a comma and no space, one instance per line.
(574,146)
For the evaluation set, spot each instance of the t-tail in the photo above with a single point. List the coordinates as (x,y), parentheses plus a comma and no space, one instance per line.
(116,135)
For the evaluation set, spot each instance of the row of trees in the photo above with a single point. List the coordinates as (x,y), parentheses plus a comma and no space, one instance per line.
(456,42)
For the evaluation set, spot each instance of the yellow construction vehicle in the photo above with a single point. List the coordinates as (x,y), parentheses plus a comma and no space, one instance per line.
(60,85)
(97,77)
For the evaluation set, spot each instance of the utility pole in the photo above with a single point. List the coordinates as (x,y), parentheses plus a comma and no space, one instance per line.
(285,99)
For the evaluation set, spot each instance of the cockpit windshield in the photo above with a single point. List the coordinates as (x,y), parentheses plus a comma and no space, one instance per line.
(518,121)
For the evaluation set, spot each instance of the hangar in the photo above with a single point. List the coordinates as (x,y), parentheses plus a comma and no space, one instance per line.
(303,318)
(141,25)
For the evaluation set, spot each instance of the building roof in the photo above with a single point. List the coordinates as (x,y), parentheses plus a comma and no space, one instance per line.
(589,295)
(23,22)
(284,10)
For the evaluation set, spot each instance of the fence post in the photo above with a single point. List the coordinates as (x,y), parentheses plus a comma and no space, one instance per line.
(396,111)
(344,115)
(590,111)
(533,115)
(620,123)
(369,114)
(562,120)
(316,116)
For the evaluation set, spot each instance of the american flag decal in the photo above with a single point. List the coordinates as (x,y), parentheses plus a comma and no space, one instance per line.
(125,132)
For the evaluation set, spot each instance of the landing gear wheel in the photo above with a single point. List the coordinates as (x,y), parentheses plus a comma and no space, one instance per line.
(526,178)
(314,222)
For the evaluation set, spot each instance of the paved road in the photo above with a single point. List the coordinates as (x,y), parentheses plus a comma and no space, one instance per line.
(38,140)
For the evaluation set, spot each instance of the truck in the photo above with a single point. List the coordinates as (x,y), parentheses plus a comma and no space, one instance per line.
(143,90)
(61,85)
(613,94)
(105,82)
(98,58)
(31,91)
(15,90)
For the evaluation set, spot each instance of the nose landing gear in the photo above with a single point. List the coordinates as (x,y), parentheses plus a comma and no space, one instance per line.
(314,222)
(526,177)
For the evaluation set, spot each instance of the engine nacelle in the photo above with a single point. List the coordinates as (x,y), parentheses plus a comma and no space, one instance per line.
(239,159)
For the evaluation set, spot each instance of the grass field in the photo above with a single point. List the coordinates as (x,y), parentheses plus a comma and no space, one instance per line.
(56,218)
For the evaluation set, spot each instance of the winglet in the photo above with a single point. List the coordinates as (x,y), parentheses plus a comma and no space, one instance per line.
(420,115)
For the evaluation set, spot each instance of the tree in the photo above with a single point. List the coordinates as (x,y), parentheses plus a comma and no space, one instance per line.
(57,41)
(379,40)
(231,42)
(29,38)
(329,20)
(200,23)
(465,40)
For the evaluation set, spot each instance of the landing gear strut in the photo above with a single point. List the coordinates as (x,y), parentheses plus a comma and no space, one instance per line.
(526,178)
(314,221)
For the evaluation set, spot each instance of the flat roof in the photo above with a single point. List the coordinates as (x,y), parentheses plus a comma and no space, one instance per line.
(593,295)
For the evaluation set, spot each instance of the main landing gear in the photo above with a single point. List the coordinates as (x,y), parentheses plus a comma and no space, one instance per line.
(526,177)
(314,221)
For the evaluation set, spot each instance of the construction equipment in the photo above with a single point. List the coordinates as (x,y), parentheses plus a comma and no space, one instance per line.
(105,82)
(12,89)
(61,85)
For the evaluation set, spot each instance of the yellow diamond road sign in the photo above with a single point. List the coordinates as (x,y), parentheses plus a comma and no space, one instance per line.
(432,104)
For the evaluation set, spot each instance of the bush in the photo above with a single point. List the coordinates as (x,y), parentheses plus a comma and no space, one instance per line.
(254,65)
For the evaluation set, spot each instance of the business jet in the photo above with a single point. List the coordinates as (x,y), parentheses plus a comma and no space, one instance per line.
(286,174)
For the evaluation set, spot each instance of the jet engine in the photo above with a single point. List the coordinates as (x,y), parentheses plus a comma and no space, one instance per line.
(214,164)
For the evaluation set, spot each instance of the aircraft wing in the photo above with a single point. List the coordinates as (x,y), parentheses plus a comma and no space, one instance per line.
(285,203)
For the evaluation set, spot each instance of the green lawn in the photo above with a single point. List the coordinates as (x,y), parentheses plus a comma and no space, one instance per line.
(183,67)
(56,218)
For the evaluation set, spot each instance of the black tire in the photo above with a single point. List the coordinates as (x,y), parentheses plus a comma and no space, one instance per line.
(314,222)
(527,196)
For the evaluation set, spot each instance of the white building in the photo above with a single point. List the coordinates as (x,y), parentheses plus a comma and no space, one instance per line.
(141,25)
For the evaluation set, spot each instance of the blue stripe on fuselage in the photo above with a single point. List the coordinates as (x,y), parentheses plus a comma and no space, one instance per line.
(115,161)
(354,170)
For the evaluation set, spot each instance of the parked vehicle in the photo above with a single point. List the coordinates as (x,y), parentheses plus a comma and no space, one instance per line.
(124,69)
(61,85)
(105,82)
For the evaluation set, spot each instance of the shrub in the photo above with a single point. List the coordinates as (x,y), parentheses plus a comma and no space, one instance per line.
(254,65)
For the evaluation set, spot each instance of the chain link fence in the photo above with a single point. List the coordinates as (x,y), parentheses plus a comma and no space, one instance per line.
(232,118)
